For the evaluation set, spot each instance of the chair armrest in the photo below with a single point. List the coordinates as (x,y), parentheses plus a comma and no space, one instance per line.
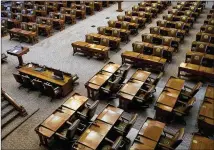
(143,90)
(182,102)
(83,127)
(104,89)
(187,87)
(138,141)
(87,105)
(68,122)
(60,136)
(165,146)
(139,98)
(168,133)
(150,78)
(110,141)
(79,113)
(123,118)
(183,113)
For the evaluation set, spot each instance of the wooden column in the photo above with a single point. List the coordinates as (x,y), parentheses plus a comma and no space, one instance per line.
(119,6)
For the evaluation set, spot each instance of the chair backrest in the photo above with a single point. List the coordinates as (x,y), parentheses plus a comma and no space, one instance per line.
(184,19)
(157,51)
(173,33)
(196,88)
(38,84)
(19,17)
(114,84)
(73,12)
(101,30)
(177,138)
(38,20)
(62,17)
(51,15)
(124,70)
(179,25)
(89,39)
(162,23)
(200,47)
(120,18)
(116,33)
(72,130)
(135,8)
(158,78)
(92,109)
(205,38)
(18,78)
(125,25)
(49,89)
(209,29)
(104,42)
(62,10)
(169,17)
(134,19)
(137,47)
(190,104)
(196,59)
(117,143)
(149,91)
(188,13)
(128,13)
(211,22)
(34,28)
(131,123)
(111,23)
(148,38)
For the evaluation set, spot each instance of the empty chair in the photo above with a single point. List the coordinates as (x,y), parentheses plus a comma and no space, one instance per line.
(123,126)
(123,71)
(120,18)
(101,30)
(104,42)
(89,39)
(112,86)
(182,109)
(145,96)
(158,52)
(111,23)
(154,81)
(27,82)
(189,92)
(38,85)
(125,25)
(52,91)
(67,134)
(116,33)
(172,142)
(88,111)
(113,145)
(196,59)
(18,78)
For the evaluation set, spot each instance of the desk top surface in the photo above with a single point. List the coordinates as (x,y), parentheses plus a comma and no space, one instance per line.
(201,143)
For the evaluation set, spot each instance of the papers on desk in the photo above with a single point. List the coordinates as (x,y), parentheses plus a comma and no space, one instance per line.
(15,51)
(30,65)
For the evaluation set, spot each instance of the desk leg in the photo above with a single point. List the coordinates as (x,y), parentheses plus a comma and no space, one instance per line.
(20,61)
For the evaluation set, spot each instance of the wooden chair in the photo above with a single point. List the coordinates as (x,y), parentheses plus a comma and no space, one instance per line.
(205,38)
(18,78)
(171,141)
(182,109)
(89,39)
(116,33)
(123,71)
(88,112)
(52,91)
(196,59)
(123,126)
(155,30)
(154,81)
(144,96)
(120,18)
(158,52)
(111,23)
(101,30)
(104,42)
(189,92)
(113,145)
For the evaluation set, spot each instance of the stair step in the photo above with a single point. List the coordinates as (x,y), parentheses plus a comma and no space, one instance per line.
(4,106)
(9,118)
(5,113)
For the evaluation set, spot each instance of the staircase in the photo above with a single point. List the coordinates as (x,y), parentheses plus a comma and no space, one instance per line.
(10,110)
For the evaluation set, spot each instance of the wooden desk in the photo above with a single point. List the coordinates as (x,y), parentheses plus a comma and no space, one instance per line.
(43,27)
(110,115)
(209,22)
(140,20)
(114,42)
(161,40)
(129,90)
(146,15)
(97,81)
(209,92)
(196,70)
(141,60)
(18,51)
(149,49)
(189,54)
(91,50)
(168,98)
(203,47)
(183,18)
(59,117)
(47,75)
(98,130)
(201,143)
(207,29)
(210,37)
(149,135)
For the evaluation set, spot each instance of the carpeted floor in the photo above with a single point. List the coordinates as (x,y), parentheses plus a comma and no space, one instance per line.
(56,52)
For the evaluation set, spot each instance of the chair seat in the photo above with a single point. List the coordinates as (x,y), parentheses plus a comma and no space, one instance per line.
(121,126)
(106,147)
(165,141)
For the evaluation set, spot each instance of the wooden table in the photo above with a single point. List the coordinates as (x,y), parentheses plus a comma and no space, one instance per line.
(149,135)
(142,60)
(18,51)
(98,130)
(129,90)
(59,117)
(209,92)
(97,81)
(168,98)
(201,143)
(47,75)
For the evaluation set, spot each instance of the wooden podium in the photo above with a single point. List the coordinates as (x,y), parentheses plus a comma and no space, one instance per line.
(119,6)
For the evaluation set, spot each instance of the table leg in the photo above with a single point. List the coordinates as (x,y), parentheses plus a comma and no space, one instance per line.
(20,61)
